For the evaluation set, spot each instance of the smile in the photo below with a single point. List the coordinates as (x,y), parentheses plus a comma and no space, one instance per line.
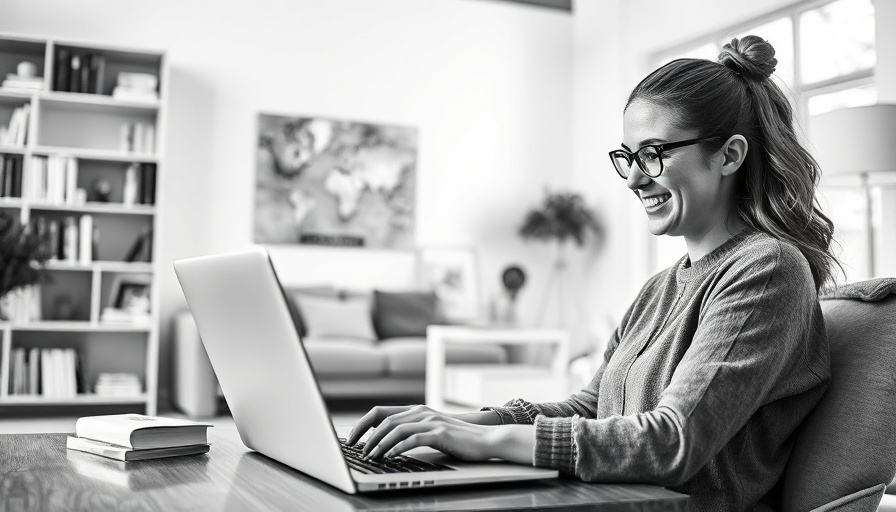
(655,201)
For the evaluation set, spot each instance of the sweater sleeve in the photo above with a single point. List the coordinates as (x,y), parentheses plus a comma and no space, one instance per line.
(752,328)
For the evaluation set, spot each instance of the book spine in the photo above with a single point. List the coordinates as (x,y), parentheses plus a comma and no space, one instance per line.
(53,239)
(71,180)
(85,252)
(70,247)
(45,373)
(3,176)
(86,66)
(74,82)
(99,62)
(63,70)
(34,370)
(130,185)
(17,178)
(148,188)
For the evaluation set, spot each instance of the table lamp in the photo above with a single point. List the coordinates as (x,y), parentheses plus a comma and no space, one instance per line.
(858,142)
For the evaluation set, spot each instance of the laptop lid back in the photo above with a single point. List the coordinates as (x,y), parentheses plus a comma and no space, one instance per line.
(262,367)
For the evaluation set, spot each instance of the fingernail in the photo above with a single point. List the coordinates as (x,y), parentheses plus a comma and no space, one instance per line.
(389,453)
(372,453)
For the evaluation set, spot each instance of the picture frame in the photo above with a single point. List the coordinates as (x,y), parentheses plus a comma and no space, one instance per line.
(452,274)
(132,294)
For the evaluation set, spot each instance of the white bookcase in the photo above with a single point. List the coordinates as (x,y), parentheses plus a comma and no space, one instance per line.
(87,127)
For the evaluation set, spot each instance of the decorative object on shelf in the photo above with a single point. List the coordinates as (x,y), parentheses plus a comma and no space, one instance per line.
(451,273)
(341,183)
(504,305)
(853,153)
(141,249)
(26,80)
(22,253)
(129,300)
(563,216)
(100,190)
(64,308)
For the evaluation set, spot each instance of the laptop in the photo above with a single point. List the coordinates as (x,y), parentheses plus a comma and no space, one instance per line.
(261,364)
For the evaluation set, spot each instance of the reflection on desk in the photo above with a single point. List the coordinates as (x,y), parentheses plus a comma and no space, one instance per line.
(38,473)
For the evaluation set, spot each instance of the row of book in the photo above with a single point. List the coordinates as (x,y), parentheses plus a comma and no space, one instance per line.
(52,179)
(22,305)
(15,134)
(139,184)
(46,372)
(137,138)
(72,239)
(11,169)
(79,71)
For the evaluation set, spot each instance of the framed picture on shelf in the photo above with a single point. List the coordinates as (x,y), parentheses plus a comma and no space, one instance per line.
(451,272)
(131,295)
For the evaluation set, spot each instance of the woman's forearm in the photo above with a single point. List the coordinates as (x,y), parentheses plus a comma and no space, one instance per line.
(480,418)
(514,443)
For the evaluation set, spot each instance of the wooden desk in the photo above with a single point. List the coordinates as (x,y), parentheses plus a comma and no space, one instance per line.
(38,473)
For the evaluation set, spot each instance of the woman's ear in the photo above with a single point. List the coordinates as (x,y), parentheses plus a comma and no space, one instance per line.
(734,152)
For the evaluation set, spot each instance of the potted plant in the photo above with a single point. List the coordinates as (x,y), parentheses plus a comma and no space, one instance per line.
(22,255)
(562,217)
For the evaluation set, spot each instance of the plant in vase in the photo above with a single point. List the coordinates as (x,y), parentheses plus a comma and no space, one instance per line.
(561,218)
(22,255)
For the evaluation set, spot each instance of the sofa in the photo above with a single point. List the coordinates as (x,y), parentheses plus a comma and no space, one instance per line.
(373,344)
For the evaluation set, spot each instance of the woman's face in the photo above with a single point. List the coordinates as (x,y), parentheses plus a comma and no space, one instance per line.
(687,199)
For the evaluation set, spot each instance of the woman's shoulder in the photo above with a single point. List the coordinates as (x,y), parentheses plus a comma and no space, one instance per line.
(763,253)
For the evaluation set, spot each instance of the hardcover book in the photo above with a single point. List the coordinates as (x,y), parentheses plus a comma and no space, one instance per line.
(138,431)
(128,454)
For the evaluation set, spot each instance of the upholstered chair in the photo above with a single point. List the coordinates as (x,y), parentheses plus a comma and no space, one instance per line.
(845,451)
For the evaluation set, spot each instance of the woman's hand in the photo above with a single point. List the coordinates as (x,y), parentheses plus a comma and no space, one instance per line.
(401,428)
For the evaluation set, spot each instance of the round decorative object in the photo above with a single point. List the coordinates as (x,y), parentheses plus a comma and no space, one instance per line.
(26,69)
(100,190)
(513,279)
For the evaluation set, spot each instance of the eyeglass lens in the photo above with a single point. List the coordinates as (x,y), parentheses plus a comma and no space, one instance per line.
(648,159)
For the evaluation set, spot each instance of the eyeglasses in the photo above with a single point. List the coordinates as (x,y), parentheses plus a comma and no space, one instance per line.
(649,157)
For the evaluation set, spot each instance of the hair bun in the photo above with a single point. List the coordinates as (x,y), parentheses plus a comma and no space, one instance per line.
(751,56)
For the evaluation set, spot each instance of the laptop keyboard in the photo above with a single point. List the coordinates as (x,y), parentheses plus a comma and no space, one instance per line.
(395,464)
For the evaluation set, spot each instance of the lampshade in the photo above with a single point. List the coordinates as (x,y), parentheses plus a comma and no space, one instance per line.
(856,140)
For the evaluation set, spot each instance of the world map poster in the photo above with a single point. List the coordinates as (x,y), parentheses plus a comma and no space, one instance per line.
(330,182)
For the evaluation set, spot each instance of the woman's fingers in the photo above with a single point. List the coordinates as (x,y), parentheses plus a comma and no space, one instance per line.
(422,432)
(373,418)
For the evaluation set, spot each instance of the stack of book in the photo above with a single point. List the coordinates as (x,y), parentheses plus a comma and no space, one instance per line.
(79,71)
(23,83)
(46,372)
(118,384)
(136,87)
(131,437)
(16,133)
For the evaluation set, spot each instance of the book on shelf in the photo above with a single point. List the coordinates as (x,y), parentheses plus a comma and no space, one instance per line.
(15,134)
(112,315)
(52,179)
(137,138)
(24,84)
(123,453)
(138,431)
(79,71)
(118,384)
(11,175)
(137,81)
(148,183)
(46,372)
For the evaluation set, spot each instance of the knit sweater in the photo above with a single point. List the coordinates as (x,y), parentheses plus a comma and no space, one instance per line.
(703,383)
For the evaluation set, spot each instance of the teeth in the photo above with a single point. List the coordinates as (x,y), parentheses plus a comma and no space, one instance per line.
(650,202)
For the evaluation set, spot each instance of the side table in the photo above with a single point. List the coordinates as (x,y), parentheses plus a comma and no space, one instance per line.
(473,386)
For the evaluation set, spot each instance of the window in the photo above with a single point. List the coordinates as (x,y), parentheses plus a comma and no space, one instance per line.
(826,57)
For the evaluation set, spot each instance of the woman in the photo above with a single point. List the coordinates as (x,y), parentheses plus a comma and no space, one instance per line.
(721,356)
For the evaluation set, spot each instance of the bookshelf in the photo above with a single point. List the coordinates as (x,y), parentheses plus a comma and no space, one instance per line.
(110,135)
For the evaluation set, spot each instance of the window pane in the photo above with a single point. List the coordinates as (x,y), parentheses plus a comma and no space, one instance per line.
(705,51)
(853,97)
(779,33)
(837,39)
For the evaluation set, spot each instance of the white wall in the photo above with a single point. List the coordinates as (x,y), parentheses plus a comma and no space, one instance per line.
(486,83)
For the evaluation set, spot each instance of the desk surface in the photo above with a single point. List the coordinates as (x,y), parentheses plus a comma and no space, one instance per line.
(38,473)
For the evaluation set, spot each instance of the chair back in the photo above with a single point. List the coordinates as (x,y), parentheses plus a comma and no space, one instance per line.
(847,444)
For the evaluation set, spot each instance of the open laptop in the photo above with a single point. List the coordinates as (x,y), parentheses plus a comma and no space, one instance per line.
(257,354)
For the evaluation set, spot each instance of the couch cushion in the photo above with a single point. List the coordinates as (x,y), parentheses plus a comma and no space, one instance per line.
(314,291)
(403,314)
(348,358)
(336,318)
(848,442)
(407,356)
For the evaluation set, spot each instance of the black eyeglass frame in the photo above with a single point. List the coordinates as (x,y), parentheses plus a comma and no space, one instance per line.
(659,152)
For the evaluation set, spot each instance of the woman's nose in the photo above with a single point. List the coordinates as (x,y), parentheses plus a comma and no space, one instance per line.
(636,179)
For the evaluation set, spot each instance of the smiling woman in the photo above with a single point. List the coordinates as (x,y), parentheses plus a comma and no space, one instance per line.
(721,356)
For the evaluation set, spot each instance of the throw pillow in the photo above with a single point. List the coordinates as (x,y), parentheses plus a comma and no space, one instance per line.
(292,302)
(335,318)
(404,314)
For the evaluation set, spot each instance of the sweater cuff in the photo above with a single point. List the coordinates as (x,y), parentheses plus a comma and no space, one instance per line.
(515,412)
(555,443)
